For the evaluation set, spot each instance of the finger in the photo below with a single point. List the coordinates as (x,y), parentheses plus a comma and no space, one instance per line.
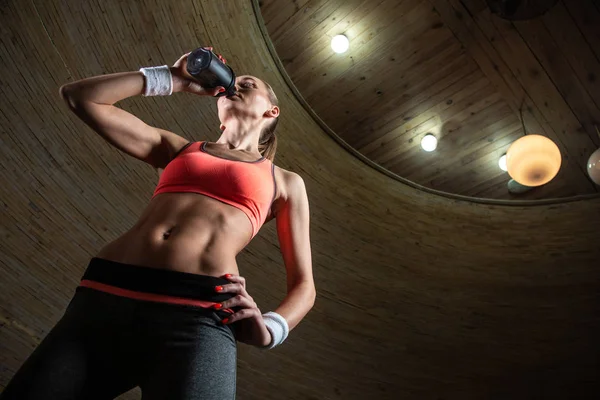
(237,301)
(242,314)
(213,91)
(194,87)
(236,279)
(231,288)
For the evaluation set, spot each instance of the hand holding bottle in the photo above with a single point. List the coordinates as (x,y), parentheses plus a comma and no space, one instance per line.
(184,82)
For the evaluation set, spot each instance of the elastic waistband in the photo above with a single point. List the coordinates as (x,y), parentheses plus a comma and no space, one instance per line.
(151,284)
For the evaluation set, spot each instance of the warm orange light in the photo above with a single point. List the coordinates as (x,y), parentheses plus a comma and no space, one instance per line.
(533,160)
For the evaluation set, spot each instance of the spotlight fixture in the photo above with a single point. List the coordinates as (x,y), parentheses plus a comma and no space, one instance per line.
(340,43)
(429,142)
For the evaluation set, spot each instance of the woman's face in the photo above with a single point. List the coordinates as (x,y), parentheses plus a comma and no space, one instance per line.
(250,101)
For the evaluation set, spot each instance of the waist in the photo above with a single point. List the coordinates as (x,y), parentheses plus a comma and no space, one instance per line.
(151,284)
(184,232)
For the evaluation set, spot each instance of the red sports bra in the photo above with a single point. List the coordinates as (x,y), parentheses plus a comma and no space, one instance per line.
(243,184)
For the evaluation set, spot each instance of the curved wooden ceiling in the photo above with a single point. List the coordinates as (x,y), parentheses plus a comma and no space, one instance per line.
(419,296)
(450,68)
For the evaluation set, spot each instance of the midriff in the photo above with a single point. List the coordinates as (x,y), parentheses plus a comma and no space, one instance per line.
(186,232)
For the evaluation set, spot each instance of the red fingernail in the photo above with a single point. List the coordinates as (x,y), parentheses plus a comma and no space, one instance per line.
(217,306)
(227,276)
(225,320)
(218,288)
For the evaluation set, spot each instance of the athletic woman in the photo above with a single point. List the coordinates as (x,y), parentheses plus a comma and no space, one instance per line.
(161,307)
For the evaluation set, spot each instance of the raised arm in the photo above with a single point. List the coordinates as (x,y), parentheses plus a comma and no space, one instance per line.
(93,99)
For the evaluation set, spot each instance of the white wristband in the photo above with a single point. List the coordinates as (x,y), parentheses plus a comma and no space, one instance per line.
(159,81)
(277,326)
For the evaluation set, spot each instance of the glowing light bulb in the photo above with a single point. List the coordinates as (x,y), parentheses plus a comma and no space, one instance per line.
(533,160)
(502,163)
(593,167)
(429,142)
(340,43)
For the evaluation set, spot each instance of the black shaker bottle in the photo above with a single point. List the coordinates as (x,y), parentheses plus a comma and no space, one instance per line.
(211,72)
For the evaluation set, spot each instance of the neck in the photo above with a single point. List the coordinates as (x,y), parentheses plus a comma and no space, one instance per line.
(241,135)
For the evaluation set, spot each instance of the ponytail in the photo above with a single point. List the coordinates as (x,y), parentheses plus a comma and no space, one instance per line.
(267,144)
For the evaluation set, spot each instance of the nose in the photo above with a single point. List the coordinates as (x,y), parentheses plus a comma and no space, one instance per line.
(236,88)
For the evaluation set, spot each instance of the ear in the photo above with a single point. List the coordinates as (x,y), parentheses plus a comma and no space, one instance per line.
(272,112)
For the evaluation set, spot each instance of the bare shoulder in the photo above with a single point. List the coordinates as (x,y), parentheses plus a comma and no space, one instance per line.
(289,184)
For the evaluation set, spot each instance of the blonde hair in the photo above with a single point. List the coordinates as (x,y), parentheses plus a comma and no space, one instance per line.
(267,143)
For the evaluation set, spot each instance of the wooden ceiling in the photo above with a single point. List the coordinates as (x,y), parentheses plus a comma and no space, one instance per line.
(454,69)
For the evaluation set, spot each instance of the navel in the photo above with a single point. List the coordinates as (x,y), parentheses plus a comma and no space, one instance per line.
(167,233)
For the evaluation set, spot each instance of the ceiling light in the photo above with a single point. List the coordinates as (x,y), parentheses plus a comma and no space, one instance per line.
(593,167)
(533,160)
(340,43)
(429,142)
(502,163)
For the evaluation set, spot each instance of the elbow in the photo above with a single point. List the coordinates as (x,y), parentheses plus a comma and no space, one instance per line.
(66,92)
(312,297)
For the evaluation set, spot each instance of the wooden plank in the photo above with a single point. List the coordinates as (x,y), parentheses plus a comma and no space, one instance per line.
(300,49)
(555,65)
(382,139)
(271,9)
(455,137)
(481,159)
(532,76)
(291,19)
(303,60)
(381,96)
(576,49)
(477,173)
(587,17)
(463,86)
(394,59)
(496,132)
(468,109)
(367,36)
(439,74)
(303,39)
(317,15)
(454,130)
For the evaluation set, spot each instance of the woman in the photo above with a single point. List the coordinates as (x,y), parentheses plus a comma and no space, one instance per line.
(162,306)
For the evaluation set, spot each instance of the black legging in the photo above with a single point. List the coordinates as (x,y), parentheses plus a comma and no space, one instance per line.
(107,344)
